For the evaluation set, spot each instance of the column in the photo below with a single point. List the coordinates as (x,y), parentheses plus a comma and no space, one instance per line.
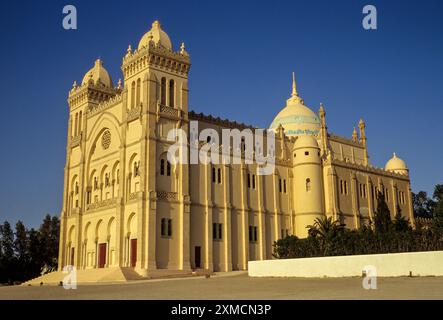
(276,189)
(244,218)
(261,218)
(208,217)
(227,219)
(354,195)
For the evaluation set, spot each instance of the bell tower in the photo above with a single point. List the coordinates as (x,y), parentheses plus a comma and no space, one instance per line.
(95,88)
(156,94)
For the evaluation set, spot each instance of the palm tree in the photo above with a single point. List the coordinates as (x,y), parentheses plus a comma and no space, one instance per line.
(325,230)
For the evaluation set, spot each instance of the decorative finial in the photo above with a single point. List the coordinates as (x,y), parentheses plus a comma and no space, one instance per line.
(294,86)
(395,156)
(354,135)
(182,48)
(119,84)
(74,85)
(156,24)
(129,51)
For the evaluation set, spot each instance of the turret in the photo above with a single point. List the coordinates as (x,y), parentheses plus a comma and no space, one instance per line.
(362,127)
(308,184)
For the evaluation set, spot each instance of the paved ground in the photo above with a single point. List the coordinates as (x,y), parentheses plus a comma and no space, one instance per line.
(238,285)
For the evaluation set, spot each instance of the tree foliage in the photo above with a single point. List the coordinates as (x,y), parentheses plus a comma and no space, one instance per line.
(327,237)
(25,254)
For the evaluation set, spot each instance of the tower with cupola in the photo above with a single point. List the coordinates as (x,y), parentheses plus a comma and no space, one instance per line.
(156,94)
(95,88)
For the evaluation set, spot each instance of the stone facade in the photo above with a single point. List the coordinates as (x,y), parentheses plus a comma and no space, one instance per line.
(125,205)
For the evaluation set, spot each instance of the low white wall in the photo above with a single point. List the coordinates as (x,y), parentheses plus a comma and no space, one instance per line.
(387,265)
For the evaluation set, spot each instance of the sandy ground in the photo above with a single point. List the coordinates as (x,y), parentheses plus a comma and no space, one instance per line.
(237,285)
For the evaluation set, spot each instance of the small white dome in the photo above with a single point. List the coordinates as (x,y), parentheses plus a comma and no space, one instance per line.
(396,164)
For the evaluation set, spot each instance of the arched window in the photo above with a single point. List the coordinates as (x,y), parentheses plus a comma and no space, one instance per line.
(79,123)
(76,124)
(308,185)
(169,227)
(219,175)
(137,98)
(133,94)
(163,223)
(213,174)
(166,227)
(171,93)
(168,169)
(162,167)
(253,181)
(163,91)
(249,180)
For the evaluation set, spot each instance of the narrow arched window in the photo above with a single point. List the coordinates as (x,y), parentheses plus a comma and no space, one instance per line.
(162,227)
(213,174)
(79,123)
(163,91)
(137,95)
(219,175)
(162,167)
(76,124)
(308,185)
(249,180)
(253,181)
(168,168)
(169,227)
(171,93)
(133,94)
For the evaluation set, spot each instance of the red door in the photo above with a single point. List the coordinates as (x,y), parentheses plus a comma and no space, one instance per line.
(133,252)
(101,255)
(72,256)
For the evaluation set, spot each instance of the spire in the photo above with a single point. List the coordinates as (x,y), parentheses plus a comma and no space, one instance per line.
(294,86)
(354,135)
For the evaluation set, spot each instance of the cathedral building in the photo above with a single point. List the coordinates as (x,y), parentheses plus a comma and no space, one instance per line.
(125,206)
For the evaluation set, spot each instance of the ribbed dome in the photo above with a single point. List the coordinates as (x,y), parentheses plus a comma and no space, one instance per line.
(296,118)
(157,35)
(397,165)
(98,75)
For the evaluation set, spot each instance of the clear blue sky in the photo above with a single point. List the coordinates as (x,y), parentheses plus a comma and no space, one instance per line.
(242,53)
